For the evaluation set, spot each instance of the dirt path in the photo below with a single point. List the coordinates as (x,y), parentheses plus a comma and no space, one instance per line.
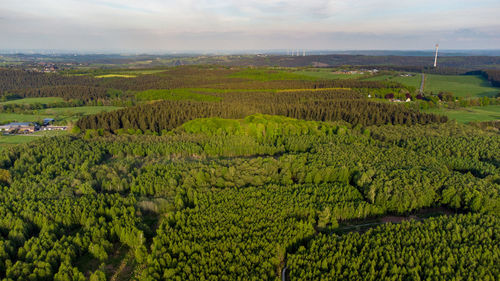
(422,83)
(366,224)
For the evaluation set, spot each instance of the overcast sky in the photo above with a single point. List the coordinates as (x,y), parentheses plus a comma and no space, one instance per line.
(168,25)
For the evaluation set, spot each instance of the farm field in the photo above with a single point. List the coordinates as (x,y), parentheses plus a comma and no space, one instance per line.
(110,73)
(17,117)
(411,81)
(9,140)
(44,100)
(175,94)
(460,85)
(328,74)
(58,113)
(80,110)
(269,75)
(115,75)
(468,114)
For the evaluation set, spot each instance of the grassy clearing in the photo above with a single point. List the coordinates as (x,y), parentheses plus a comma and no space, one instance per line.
(115,75)
(10,140)
(309,90)
(175,94)
(468,114)
(58,113)
(409,81)
(328,74)
(48,100)
(16,117)
(460,85)
(73,113)
(107,73)
(269,75)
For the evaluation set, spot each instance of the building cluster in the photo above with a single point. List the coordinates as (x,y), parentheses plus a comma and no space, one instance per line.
(360,71)
(30,127)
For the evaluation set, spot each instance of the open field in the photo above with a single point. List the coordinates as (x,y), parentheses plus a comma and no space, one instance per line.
(6,140)
(269,75)
(16,117)
(465,115)
(328,74)
(72,113)
(460,85)
(410,81)
(47,100)
(115,75)
(109,73)
(175,94)
(58,113)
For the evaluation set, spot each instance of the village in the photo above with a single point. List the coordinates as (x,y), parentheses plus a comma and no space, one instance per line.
(17,128)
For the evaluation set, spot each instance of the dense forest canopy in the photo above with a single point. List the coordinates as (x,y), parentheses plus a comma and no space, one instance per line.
(228,199)
(235,173)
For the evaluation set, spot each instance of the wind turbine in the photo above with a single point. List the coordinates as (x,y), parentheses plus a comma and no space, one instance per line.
(436,57)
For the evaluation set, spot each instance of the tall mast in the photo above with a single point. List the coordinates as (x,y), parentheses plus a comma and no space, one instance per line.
(436,57)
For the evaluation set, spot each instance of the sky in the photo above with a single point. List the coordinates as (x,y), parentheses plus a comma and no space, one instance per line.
(211,25)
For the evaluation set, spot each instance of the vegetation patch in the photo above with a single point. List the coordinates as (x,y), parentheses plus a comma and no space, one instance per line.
(469,114)
(47,100)
(115,75)
(259,126)
(460,85)
(329,74)
(412,81)
(174,95)
(269,75)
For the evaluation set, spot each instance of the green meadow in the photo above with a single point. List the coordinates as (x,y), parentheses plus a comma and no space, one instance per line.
(175,94)
(269,75)
(468,114)
(115,75)
(329,74)
(48,100)
(409,81)
(58,113)
(17,117)
(460,85)
(72,113)
(6,140)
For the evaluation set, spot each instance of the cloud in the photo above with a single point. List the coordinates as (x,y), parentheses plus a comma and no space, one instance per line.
(240,24)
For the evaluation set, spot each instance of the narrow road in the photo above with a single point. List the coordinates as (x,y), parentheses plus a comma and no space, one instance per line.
(283,274)
(422,83)
(419,215)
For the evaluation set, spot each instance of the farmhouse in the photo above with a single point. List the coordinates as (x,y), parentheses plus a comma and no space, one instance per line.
(22,127)
(54,128)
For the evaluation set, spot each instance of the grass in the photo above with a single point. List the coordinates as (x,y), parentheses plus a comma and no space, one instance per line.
(86,110)
(107,73)
(10,140)
(48,100)
(468,114)
(16,117)
(175,94)
(58,113)
(410,81)
(269,75)
(460,85)
(328,74)
(115,75)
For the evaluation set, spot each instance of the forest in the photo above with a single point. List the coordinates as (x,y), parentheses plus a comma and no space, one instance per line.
(229,173)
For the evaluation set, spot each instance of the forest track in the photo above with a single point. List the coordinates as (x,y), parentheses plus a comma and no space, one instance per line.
(422,83)
(369,223)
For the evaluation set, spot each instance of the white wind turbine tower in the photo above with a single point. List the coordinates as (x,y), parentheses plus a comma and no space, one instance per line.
(436,57)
